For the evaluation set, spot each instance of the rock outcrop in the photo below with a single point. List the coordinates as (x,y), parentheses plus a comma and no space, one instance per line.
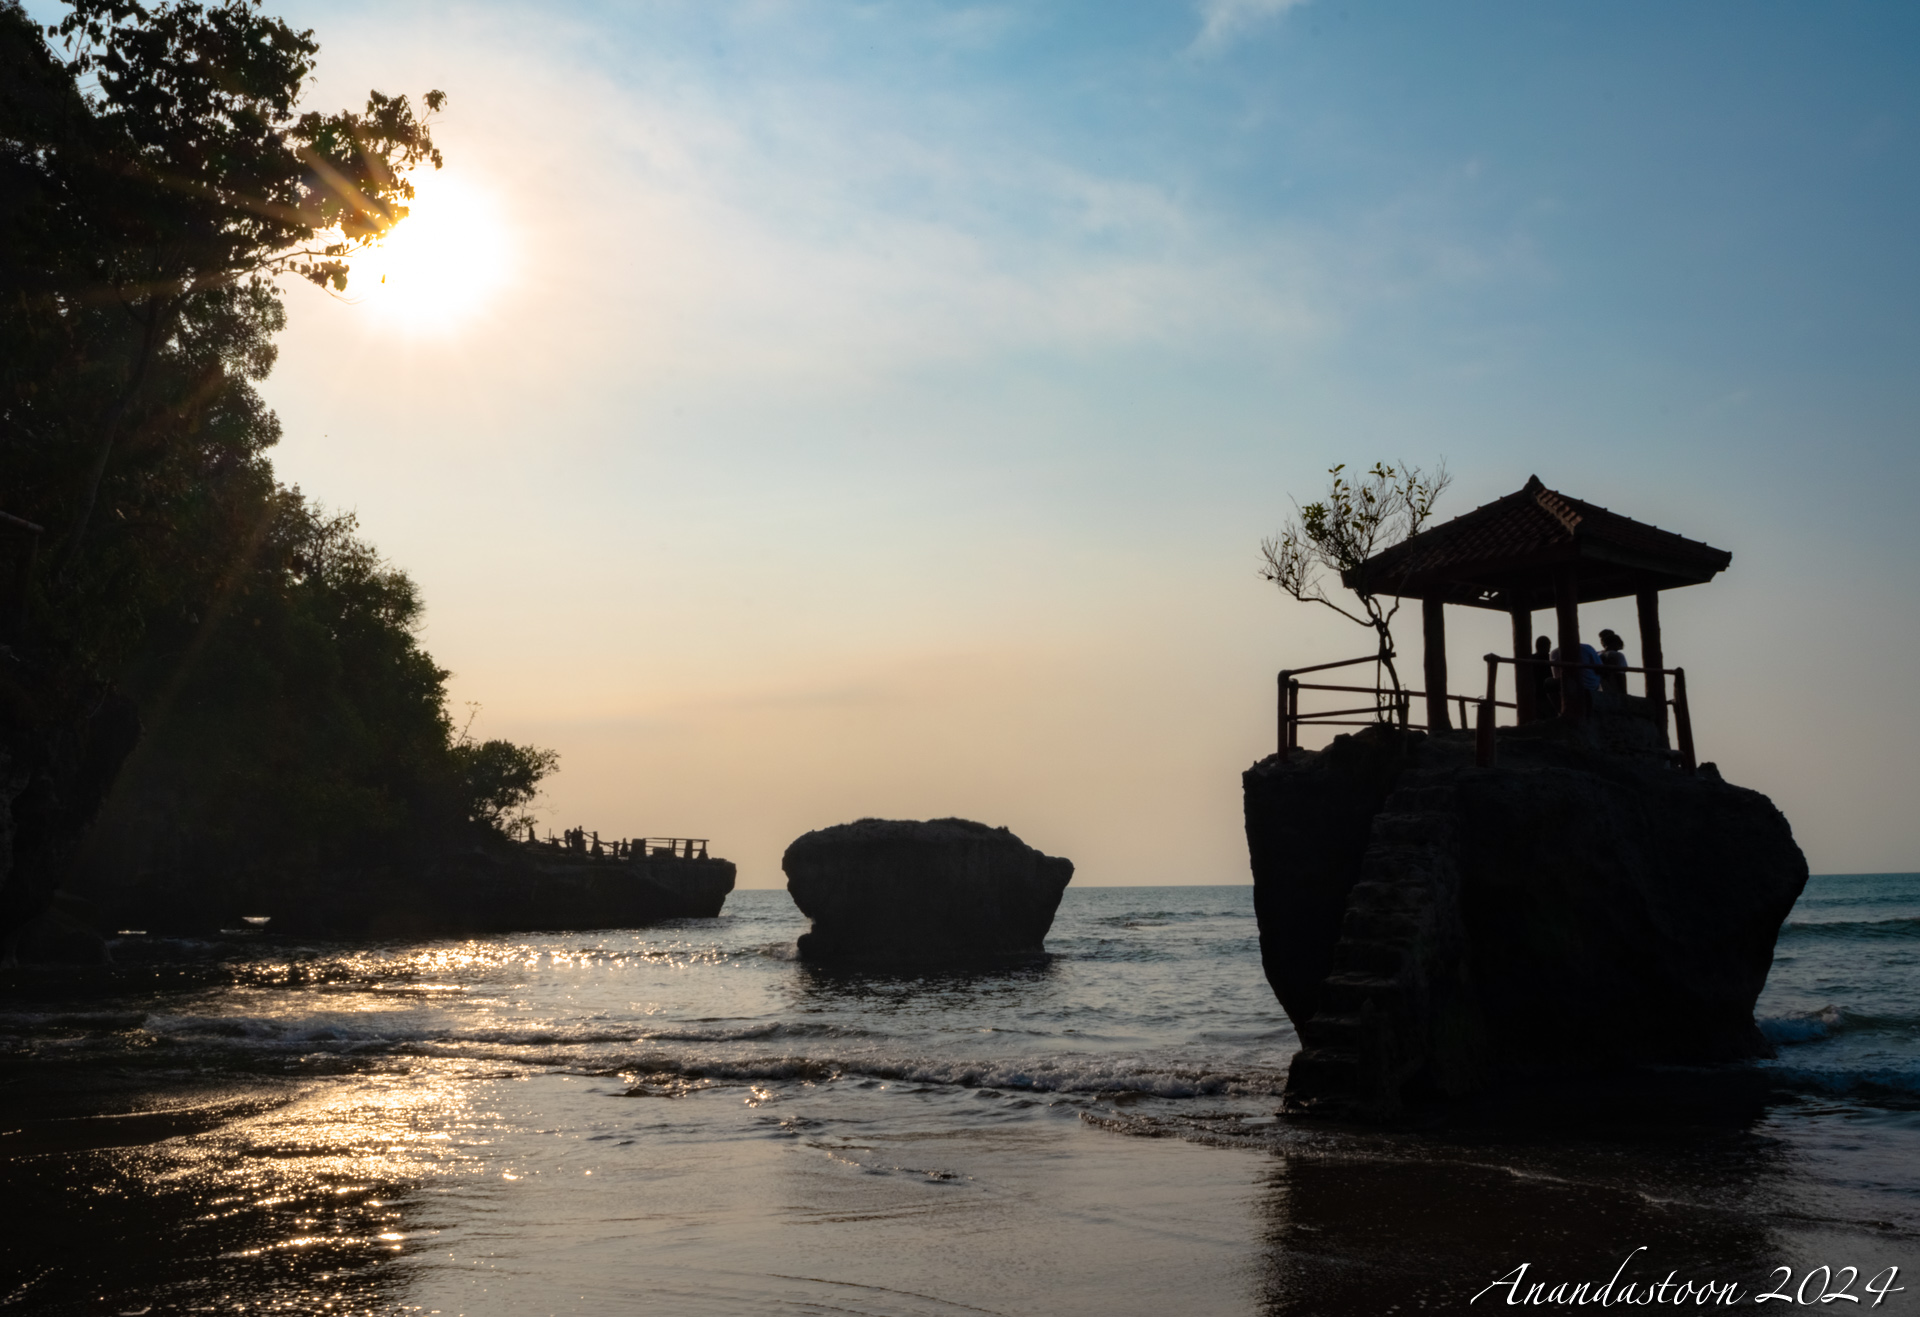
(491,887)
(1426,922)
(62,742)
(903,893)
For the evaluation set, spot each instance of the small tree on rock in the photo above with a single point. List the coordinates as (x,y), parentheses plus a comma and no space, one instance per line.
(1341,533)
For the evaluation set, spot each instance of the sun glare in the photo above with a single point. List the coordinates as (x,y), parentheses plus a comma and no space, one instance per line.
(441,264)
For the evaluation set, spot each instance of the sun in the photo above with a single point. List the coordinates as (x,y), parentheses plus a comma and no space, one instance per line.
(439,267)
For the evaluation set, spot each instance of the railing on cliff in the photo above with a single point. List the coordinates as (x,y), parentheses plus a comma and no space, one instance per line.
(1391,706)
(578,841)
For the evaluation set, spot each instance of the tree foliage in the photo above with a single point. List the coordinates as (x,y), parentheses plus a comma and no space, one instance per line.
(161,168)
(159,181)
(1342,532)
(300,723)
(501,780)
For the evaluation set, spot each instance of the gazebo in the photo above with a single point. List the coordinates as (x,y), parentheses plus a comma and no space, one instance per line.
(1537,549)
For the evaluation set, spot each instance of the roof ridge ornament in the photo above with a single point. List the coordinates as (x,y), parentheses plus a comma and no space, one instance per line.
(1556,506)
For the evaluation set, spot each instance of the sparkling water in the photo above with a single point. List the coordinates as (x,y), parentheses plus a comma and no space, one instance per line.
(686,1119)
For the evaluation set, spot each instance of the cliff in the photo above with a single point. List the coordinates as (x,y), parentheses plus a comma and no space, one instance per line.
(1426,922)
(62,741)
(491,886)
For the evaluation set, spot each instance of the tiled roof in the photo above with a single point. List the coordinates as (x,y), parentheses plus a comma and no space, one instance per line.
(1533,528)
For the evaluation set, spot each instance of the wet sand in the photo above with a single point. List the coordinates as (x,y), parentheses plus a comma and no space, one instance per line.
(448,1191)
(525,1195)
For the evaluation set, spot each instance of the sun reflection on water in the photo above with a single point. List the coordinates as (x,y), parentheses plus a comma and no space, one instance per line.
(280,1197)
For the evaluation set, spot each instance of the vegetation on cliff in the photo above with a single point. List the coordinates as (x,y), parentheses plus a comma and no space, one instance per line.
(158,179)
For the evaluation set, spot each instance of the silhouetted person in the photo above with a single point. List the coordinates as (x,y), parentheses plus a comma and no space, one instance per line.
(1612,656)
(1546,686)
(1577,684)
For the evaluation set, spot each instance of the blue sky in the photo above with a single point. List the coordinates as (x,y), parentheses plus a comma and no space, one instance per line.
(876,409)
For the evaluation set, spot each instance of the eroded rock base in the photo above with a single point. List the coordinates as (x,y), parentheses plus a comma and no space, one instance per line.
(1426,922)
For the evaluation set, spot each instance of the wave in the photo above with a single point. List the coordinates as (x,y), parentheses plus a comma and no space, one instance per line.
(1164,918)
(1864,1082)
(666,1059)
(33,1022)
(1093,946)
(1077,1075)
(399,1032)
(1893,926)
(1829,1022)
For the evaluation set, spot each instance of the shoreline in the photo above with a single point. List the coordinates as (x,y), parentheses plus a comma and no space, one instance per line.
(449,1189)
(683,1119)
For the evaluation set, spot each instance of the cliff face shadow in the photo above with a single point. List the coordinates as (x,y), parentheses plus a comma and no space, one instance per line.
(1639,1102)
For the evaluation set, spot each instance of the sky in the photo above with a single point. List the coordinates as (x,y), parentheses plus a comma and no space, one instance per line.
(797,412)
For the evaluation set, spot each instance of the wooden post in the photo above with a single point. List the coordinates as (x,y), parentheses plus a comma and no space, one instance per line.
(1566,608)
(1286,723)
(1683,720)
(1650,657)
(1526,681)
(1483,736)
(1433,630)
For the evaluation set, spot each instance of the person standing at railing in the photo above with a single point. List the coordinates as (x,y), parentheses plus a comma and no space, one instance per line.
(1546,698)
(1613,655)
(1581,681)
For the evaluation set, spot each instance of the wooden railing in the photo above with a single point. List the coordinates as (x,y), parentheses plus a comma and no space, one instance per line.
(675,848)
(578,841)
(1393,704)
(1682,715)
(1390,706)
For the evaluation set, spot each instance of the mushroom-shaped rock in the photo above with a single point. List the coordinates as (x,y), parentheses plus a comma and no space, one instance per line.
(902,892)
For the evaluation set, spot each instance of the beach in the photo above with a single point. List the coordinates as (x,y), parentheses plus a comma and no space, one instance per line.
(684,1119)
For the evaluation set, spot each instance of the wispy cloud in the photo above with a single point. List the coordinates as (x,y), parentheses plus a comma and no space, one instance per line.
(1222,22)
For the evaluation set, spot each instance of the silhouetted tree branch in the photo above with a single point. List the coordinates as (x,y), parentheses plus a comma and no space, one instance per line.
(187,169)
(1342,532)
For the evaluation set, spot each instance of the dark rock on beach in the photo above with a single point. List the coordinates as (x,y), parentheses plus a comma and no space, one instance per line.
(1427,923)
(62,741)
(905,893)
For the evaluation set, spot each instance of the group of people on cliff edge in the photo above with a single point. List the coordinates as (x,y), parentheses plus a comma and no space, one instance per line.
(1594,676)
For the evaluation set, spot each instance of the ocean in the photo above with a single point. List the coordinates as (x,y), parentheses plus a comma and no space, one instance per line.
(683,1119)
